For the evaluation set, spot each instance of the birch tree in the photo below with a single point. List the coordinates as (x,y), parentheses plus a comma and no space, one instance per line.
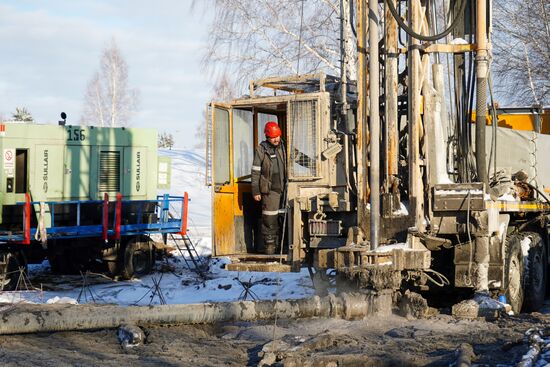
(108,100)
(166,140)
(522,50)
(21,114)
(257,38)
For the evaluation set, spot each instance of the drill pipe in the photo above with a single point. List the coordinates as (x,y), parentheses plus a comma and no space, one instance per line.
(19,319)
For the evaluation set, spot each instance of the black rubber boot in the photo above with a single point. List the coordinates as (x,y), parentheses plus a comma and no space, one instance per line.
(270,248)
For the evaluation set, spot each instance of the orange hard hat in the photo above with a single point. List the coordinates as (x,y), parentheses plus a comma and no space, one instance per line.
(272,130)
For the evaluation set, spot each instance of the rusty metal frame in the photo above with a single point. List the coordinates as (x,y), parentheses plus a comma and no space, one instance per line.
(293,83)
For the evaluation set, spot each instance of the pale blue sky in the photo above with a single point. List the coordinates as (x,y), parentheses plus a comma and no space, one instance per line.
(50,49)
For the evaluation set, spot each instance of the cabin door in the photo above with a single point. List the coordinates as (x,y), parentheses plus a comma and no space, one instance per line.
(223,217)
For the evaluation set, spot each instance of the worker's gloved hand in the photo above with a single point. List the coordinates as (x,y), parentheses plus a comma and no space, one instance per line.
(258,197)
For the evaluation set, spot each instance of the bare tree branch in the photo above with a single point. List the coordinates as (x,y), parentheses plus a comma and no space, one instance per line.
(522,51)
(258,38)
(22,114)
(530,75)
(222,91)
(108,100)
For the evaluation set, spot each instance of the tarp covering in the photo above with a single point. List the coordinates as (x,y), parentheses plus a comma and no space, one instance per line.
(522,150)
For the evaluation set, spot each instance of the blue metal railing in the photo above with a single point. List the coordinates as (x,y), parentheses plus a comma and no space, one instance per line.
(131,222)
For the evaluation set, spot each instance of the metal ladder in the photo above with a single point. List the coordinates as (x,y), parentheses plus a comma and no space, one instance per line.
(185,245)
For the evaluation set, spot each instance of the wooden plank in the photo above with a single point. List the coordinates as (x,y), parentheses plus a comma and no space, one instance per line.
(262,267)
(256,257)
(279,82)
(448,48)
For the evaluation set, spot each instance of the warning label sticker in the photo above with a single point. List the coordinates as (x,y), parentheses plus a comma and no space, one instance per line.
(9,162)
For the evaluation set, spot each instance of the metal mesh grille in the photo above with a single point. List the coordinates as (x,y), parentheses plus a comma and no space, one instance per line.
(109,171)
(303,142)
(209,145)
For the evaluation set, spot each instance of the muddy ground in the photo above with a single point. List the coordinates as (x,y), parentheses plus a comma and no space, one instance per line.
(390,341)
(375,341)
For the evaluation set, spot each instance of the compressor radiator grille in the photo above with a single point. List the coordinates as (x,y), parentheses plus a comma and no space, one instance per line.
(109,171)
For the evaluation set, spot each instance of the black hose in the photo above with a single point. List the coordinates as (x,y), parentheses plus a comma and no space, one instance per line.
(537,190)
(419,36)
(352,18)
(469,111)
(399,33)
(494,128)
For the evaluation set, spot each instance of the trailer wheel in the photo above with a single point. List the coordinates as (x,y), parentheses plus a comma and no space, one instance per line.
(138,257)
(513,273)
(10,263)
(112,267)
(59,263)
(535,274)
(62,257)
(111,257)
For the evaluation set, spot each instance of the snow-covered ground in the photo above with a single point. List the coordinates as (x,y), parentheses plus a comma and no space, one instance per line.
(172,282)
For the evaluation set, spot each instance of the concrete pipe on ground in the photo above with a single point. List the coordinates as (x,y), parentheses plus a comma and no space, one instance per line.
(26,318)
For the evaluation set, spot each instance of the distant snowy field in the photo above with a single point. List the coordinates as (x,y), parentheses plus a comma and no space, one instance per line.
(188,175)
(172,282)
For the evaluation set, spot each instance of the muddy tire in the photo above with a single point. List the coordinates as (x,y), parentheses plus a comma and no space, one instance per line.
(138,257)
(513,272)
(61,263)
(112,258)
(113,267)
(535,274)
(63,258)
(10,264)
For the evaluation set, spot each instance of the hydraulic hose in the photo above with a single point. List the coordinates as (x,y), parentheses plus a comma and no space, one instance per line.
(538,190)
(419,36)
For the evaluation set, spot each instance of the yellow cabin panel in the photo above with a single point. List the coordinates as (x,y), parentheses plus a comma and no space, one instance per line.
(240,190)
(223,224)
(520,121)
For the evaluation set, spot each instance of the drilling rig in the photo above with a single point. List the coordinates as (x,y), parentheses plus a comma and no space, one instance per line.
(413,178)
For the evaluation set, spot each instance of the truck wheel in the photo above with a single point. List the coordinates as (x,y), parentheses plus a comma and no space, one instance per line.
(111,257)
(513,272)
(535,273)
(112,267)
(59,263)
(61,257)
(138,257)
(9,271)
